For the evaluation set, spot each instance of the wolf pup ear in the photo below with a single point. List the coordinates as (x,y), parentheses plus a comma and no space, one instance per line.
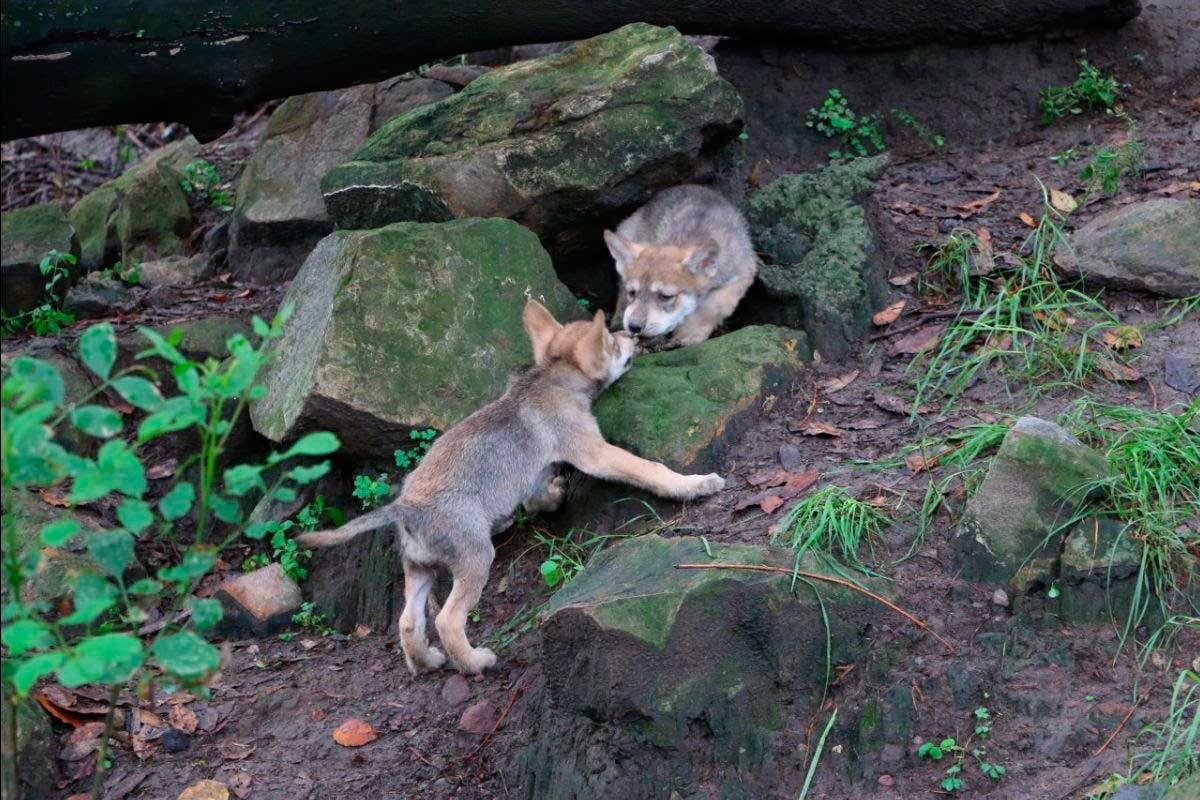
(593,358)
(624,251)
(541,327)
(703,258)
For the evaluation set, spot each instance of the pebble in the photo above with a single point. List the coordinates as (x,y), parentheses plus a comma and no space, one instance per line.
(887,780)
(455,690)
(1000,598)
(479,718)
(174,741)
(789,457)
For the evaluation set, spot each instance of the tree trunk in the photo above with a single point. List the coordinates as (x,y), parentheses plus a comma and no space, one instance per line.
(71,65)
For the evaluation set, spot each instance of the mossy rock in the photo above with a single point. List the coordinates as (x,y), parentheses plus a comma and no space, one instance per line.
(555,142)
(36,756)
(141,215)
(821,265)
(56,565)
(26,236)
(413,325)
(1033,487)
(696,661)
(686,407)
(77,384)
(200,338)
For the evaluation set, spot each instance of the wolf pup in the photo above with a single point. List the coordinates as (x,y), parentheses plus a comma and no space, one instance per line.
(685,260)
(505,454)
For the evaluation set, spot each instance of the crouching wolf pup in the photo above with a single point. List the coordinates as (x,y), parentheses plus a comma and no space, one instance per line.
(478,472)
(685,260)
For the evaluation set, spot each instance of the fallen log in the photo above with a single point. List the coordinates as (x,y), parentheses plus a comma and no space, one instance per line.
(71,65)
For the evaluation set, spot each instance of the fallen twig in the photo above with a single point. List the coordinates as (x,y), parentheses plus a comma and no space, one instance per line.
(517,690)
(828,579)
(1117,730)
(933,315)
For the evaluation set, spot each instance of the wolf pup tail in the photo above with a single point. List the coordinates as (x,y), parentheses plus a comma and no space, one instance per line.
(388,515)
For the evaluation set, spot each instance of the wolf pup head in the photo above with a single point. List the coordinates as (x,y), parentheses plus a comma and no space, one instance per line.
(601,355)
(661,284)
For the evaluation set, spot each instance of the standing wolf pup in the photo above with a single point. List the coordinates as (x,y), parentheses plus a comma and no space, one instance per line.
(501,456)
(685,260)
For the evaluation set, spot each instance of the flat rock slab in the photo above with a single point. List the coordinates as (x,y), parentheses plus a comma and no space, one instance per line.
(1012,525)
(259,603)
(633,641)
(1152,245)
(27,235)
(686,407)
(577,136)
(412,325)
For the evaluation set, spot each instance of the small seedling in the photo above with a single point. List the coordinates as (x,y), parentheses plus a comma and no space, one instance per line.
(934,140)
(48,318)
(309,619)
(1110,165)
(201,177)
(408,457)
(1091,91)
(856,135)
(370,492)
(120,272)
(952,776)
(1065,157)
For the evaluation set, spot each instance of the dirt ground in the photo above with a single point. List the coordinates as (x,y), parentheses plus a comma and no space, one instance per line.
(1060,695)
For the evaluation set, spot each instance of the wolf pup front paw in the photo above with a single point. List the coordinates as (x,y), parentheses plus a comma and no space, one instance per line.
(702,485)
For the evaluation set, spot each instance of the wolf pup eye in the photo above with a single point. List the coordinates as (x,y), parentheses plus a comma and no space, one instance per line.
(665,299)
(631,293)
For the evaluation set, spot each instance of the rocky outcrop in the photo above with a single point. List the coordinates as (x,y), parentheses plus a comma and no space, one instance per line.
(279,214)
(822,269)
(412,325)
(56,566)
(1152,245)
(142,215)
(259,603)
(562,144)
(27,235)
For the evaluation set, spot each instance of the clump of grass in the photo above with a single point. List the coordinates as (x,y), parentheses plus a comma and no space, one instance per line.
(1040,330)
(1153,488)
(1110,165)
(831,522)
(1091,90)
(568,554)
(957,263)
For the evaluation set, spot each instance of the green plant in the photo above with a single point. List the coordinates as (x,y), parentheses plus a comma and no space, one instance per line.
(1091,91)
(201,177)
(119,272)
(370,492)
(47,318)
(86,164)
(948,747)
(1065,157)
(958,263)
(934,140)
(409,457)
(566,555)
(856,134)
(832,522)
(812,766)
(313,514)
(97,641)
(309,619)
(1109,165)
(284,549)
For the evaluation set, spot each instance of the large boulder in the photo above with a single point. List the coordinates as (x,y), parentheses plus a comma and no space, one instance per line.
(78,383)
(27,235)
(35,760)
(412,325)
(821,269)
(686,407)
(1152,245)
(56,566)
(279,213)
(562,144)
(690,670)
(1014,523)
(141,215)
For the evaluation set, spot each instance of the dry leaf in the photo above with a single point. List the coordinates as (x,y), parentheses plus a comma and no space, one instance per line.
(53,499)
(798,483)
(354,733)
(822,429)
(771,503)
(164,470)
(205,790)
(917,463)
(903,279)
(837,384)
(890,314)
(890,402)
(143,746)
(768,477)
(1122,337)
(239,784)
(60,704)
(975,206)
(82,741)
(238,751)
(918,341)
(1116,371)
(1063,201)
(182,718)
(982,257)
(1028,220)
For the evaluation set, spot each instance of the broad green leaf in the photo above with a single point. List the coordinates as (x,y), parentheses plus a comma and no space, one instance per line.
(177,502)
(98,348)
(92,595)
(145,586)
(117,460)
(25,635)
(186,656)
(99,421)
(206,612)
(285,494)
(196,561)
(138,392)
(187,378)
(110,659)
(31,456)
(112,550)
(243,478)
(257,530)
(173,415)
(135,515)
(59,532)
(31,380)
(27,674)
(160,347)
(320,443)
(308,474)
(261,329)
(225,509)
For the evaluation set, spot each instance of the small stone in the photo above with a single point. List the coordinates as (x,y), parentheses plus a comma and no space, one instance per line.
(1000,598)
(789,457)
(173,271)
(891,756)
(259,603)
(1182,372)
(479,718)
(205,790)
(455,690)
(887,780)
(98,297)
(175,741)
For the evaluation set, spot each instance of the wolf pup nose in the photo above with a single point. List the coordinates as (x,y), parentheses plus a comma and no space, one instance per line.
(685,260)
(503,456)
